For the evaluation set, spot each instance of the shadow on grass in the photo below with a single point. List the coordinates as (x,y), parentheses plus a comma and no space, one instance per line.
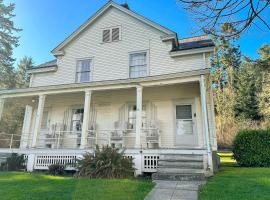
(21,186)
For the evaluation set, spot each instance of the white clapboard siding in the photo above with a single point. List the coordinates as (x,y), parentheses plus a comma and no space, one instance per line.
(111,60)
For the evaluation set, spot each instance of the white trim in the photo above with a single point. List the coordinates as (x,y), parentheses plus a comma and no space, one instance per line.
(57,51)
(147,62)
(205,121)
(91,68)
(110,28)
(168,79)
(191,51)
(40,109)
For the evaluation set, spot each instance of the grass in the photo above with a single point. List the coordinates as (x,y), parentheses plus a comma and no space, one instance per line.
(237,183)
(21,186)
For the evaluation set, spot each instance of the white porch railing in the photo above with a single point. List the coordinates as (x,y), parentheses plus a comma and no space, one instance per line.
(150,138)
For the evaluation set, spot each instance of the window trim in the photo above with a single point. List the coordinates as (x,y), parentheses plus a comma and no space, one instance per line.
(91,69)
(147,62)
(110,28)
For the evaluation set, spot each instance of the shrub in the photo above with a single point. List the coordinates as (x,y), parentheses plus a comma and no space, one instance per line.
(251,148)
(105,163)
(56,169)
(15,162)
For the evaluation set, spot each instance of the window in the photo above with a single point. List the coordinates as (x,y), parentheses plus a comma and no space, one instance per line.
(106,35)
(137,65)
(115,34)
(111,34)
(83,71)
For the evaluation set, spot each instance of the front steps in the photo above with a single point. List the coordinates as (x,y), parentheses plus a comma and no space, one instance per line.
(180,167)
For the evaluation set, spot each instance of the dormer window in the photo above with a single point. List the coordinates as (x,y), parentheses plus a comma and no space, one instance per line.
(111,34)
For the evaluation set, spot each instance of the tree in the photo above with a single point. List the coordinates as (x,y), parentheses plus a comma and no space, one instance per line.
(22,77)
(247,87)
(264,95)
(225,64)
(211,15)
(7,42)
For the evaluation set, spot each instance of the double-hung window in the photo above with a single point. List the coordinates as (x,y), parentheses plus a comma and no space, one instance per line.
(83,72)
(138,65)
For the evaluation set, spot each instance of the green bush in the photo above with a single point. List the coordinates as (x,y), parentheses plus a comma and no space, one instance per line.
(56,169)
(15,162)
(251,148)
(105,163)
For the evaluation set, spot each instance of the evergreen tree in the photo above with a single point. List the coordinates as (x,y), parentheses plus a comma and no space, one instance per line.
(21,75)
(7,42)
(247,86)
(225,64)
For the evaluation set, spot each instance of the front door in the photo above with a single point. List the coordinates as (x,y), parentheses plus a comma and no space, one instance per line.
(185,125)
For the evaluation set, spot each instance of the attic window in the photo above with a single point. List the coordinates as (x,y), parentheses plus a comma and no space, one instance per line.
(106,35)
(111,35)
(115,34)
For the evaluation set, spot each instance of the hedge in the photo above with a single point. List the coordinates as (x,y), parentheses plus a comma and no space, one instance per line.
(251,148)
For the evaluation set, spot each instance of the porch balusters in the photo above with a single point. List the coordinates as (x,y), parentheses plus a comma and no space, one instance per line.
(86,117)
(41,103)
(205,120)
(138,116)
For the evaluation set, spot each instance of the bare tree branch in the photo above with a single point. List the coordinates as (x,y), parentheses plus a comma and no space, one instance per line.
(212,15)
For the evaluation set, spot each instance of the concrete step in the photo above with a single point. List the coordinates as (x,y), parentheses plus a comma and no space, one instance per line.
(173,170)
(178,177)
(182,157)
(180,164)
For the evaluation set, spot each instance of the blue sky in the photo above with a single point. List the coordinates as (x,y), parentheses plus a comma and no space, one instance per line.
(46,23)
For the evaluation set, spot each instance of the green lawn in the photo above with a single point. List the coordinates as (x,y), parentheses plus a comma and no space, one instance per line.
(16,185)
(237,183)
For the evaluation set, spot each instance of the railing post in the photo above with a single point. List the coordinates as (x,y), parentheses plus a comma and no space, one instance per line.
(11,141)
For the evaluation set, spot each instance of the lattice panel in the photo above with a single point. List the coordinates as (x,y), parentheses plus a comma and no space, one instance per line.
(150,163)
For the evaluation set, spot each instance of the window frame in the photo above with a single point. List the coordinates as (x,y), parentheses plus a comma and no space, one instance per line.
(110,29)
(90,71)
(147,62)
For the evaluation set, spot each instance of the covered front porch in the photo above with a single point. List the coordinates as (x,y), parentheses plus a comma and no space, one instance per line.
(156,116)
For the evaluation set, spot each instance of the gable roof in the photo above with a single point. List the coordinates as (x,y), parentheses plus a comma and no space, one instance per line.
(57,50)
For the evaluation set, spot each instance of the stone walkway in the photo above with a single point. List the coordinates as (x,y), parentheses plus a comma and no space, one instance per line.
(175,190)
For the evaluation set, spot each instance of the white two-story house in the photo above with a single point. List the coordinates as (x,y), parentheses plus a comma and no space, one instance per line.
(124,81)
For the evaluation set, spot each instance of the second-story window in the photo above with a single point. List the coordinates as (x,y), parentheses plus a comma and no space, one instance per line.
(83,73)
(137,65)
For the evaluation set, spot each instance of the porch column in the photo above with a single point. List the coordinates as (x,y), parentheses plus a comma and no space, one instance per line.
(205,121)
(26,126)
(41,103)
(138,116)
(2,102)
(86,116)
